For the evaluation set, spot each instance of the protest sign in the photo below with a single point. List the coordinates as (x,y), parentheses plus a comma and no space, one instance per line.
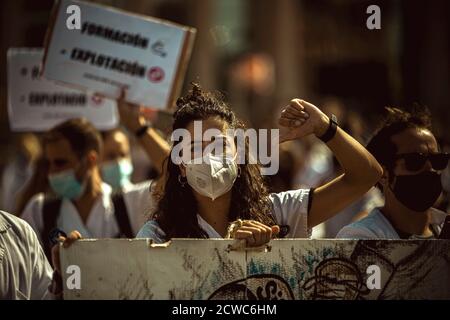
(113,49)
(37,104)
(287,269)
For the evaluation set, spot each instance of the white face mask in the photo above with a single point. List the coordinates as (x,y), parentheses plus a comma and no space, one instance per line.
(214,177)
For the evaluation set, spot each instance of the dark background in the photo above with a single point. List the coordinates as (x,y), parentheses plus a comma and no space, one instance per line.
(262,53)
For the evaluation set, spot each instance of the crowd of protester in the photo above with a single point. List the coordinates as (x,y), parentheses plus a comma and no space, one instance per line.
(75,182)
(338,178)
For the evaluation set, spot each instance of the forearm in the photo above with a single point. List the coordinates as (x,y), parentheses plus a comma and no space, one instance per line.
(55,289)
(361,172)
(156,147)
(359,166)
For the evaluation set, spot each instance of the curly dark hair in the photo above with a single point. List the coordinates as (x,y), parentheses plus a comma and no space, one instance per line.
(176,212)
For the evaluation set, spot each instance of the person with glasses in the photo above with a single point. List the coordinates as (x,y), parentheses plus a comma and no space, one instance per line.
(411,183)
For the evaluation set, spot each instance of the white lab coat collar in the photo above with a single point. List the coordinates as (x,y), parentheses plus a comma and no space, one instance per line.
(437,216)
(106,194)
(210,231)
(126,187)
(4,225)
(105,198)
(70,218)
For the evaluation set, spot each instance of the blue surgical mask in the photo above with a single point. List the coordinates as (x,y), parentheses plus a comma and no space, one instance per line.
(66,185)
(117,173)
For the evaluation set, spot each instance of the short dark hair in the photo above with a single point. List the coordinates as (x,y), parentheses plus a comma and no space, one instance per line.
(395,121)
(80,133)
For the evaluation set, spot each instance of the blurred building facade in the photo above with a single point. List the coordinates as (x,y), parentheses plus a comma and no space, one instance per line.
(262,53)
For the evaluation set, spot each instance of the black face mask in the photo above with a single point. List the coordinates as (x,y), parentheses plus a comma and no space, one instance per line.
(418,192)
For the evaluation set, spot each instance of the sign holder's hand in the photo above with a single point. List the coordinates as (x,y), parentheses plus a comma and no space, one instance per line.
(130,114)
(56,287)
(252,233)
(135,119)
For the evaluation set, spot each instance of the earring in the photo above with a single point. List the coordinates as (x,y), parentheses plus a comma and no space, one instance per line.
(239,172)
(182,181)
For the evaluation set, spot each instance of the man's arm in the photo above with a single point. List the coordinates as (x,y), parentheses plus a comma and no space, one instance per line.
(154,145)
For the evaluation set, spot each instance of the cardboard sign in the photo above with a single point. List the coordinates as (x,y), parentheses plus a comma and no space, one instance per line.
(37,104)
(114,50)
(287,269)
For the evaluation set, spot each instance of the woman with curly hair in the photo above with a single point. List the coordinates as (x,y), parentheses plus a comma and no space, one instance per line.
(201,200)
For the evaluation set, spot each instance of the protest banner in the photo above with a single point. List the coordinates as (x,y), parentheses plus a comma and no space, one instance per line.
(113,50)
(37,104)
(287,269)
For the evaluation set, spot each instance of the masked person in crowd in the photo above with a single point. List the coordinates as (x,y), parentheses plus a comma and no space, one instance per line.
(83,201)
(201,200)
(116,170)
(116,167)
(407,149)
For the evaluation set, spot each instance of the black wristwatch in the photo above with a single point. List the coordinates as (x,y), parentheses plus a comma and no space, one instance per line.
(331,131)
(142,130)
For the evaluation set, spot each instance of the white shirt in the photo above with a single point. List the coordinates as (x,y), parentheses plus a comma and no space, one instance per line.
(24,270)
(101,222)
(139,203)
(289,208)
(330,228)
(376,226)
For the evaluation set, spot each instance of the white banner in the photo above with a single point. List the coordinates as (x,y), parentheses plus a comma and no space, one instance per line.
(37,104)
(114,50)
(287,269)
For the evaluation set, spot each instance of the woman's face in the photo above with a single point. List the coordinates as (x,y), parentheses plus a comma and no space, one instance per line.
(201,141)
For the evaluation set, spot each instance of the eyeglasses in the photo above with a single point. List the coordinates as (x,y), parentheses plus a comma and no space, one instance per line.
(416,161)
